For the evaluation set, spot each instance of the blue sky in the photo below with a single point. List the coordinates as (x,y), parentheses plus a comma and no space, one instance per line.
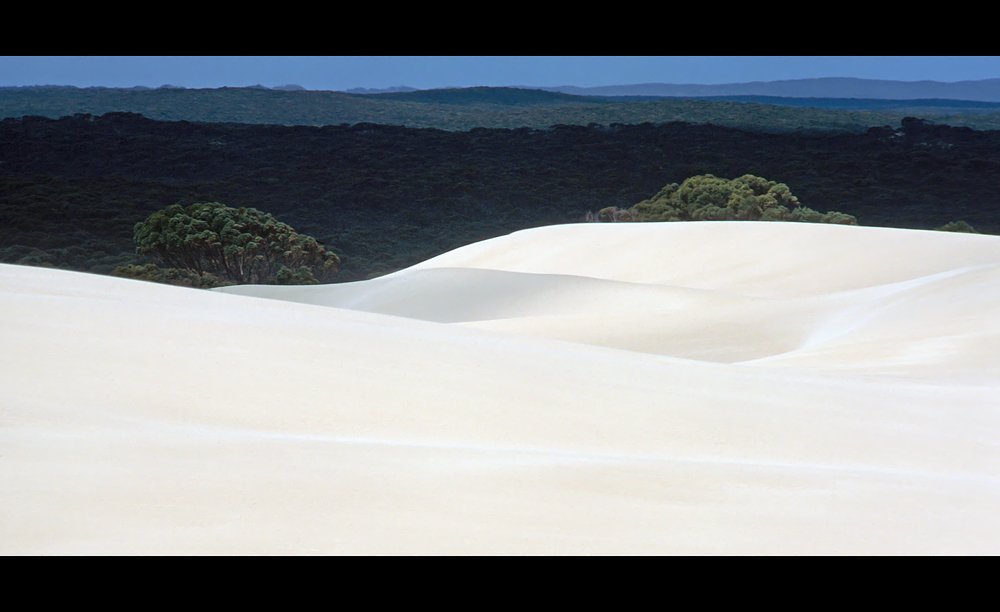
(338,73)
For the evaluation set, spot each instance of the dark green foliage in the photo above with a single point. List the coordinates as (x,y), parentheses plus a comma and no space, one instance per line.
(386,197)
(914,107)
(87,255)
(170,276)
(611,214)
(709,198)
(957,226)
(241,245)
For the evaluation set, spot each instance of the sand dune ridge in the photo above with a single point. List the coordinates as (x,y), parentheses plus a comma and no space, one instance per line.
(602,388)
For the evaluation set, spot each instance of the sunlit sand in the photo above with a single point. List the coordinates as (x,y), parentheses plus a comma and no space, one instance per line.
(674,388)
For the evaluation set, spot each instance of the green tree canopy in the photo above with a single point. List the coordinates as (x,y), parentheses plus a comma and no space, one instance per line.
(750,198)
(241,245)
(957,226)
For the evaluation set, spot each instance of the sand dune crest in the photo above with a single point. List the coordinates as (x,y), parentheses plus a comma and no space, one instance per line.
(600,388)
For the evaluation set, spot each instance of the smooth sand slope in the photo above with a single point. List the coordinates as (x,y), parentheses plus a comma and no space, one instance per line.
(600,388)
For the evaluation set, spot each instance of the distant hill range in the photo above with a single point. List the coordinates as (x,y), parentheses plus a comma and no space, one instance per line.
(987,90)
(917,106)
(366,90)
(512,96)
(490,107)
(289,87)
(504,96)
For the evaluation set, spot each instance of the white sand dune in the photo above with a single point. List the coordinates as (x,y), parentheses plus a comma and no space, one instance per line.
(736,388)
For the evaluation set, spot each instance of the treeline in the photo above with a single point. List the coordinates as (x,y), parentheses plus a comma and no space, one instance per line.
(384,197)
(914,107)
(456,109)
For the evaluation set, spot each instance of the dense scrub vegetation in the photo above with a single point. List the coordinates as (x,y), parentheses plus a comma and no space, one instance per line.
(957,226)
(171,276)
(464,109)
(942,111)
(710,198)
(384,197)
(238,245)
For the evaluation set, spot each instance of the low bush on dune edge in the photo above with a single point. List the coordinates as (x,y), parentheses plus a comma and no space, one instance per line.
(710,198)
(957,226)
(748,198)
(211,244)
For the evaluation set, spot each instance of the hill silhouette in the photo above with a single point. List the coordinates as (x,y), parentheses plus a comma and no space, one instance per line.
(985,90)
(456,109)
(505,96)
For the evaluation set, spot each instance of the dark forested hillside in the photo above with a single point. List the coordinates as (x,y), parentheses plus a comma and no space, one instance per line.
(462,109)
(385,197)
(506,96)
(915,107)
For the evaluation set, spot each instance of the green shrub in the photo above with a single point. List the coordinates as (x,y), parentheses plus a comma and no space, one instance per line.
(170,276)
(613,214)
(957,226)
(710,198)
(239,245)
